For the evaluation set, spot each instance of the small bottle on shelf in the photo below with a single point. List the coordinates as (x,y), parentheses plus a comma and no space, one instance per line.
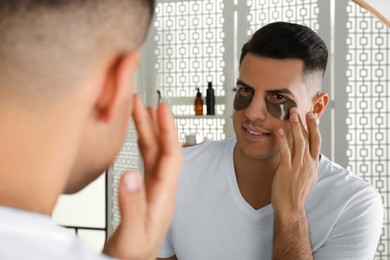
(198,103)
(210,99)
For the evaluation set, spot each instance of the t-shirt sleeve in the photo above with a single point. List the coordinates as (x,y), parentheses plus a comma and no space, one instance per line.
(356,233)
(166,249)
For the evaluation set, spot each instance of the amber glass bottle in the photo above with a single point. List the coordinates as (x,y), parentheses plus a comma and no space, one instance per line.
(198,103)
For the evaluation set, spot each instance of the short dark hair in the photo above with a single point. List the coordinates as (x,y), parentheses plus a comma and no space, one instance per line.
(281,40)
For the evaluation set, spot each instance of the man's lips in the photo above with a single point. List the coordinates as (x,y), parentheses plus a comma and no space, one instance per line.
(255,131)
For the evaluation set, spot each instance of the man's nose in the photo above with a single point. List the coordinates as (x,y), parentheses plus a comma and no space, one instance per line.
(257,109)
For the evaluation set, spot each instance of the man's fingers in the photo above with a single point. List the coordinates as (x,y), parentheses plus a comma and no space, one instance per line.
(314,135)
(146,130)
(285,153)
(164,182)
(132,203)
(147,209)
(171,156)
(166,123)
(153,118)
(170,153)
(299,138)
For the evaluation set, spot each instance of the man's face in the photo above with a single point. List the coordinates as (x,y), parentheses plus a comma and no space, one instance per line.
(271,83)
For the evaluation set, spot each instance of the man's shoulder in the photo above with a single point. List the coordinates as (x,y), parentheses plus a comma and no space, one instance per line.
(337,180)
(40,237)
(207,161)
(330,169)
(341,207)
(209,148)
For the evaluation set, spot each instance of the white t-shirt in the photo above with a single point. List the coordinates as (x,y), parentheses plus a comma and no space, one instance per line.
(213,220)
(32,236)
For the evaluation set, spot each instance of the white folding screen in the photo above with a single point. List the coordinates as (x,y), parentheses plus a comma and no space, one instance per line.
(362,91)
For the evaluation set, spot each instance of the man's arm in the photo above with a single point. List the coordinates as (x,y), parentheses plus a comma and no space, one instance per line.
(296,175)
(147,208)
(291,237)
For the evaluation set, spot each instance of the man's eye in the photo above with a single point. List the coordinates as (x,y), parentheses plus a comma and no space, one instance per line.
(246,92)
(277,98)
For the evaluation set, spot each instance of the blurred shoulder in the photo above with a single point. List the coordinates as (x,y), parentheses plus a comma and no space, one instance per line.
(210,148)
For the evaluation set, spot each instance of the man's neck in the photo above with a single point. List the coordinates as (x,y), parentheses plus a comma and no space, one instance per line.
(254,178)
(34,162)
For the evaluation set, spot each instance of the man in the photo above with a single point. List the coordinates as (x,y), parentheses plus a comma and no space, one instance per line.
(66,70)
(268,193)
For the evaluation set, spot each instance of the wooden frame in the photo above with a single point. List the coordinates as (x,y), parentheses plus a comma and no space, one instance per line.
(380,8)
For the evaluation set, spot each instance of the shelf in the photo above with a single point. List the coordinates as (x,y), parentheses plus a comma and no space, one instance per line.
(201,117)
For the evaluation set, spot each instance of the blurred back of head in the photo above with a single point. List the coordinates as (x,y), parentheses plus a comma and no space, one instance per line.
(48,47)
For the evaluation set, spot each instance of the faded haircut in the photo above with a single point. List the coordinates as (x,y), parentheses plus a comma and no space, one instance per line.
(282,40)
(48,46)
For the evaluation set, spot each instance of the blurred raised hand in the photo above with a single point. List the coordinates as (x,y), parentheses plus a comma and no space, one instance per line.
(147,206)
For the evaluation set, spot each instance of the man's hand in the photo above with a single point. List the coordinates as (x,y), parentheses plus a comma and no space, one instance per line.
(147,209)
(296,175)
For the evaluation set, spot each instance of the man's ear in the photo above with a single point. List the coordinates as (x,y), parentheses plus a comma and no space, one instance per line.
(320,101)
(116,84)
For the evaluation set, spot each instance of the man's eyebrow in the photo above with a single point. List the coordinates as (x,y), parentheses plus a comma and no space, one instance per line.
(273,91)
(242,83)
(278,91)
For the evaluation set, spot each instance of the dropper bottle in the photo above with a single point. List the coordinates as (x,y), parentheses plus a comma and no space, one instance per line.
(198,103)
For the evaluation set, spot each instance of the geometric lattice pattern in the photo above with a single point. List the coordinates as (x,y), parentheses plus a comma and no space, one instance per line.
(263,12)
(128,158)
(205,128)
(189,53)
(369,106)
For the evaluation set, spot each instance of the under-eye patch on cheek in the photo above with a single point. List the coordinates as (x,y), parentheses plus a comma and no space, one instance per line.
(277,110)
(280,111)
(241,102)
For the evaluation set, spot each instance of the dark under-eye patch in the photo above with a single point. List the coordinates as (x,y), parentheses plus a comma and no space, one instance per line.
(245,94)
(241,102)
(280,111)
